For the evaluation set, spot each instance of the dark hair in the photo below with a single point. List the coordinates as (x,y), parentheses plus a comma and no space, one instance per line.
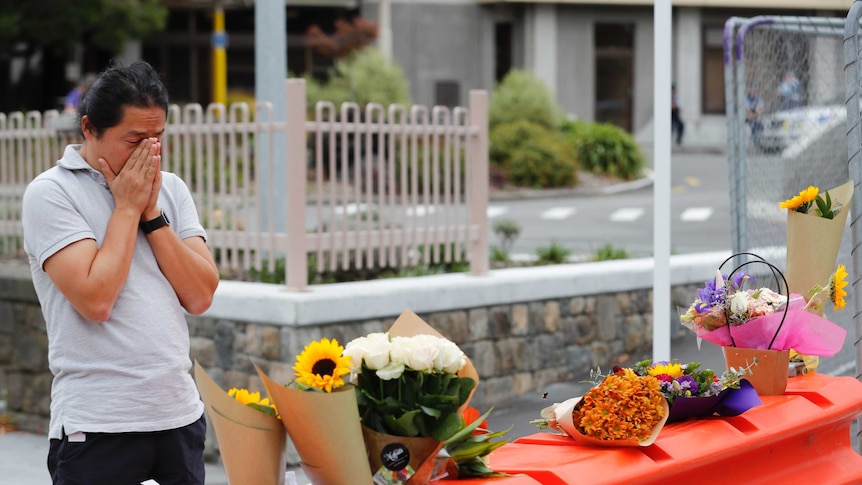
(137,85)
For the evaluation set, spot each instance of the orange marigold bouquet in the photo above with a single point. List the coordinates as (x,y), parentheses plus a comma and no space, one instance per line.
(624,409)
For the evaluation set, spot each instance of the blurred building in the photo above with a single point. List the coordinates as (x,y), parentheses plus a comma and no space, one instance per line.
(597,56)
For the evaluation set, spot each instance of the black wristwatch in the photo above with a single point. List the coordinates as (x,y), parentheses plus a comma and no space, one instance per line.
(153,224)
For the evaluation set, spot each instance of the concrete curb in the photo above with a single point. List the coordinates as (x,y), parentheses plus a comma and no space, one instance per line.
(532,194)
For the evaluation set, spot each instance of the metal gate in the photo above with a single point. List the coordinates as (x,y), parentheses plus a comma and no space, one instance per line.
(786,96)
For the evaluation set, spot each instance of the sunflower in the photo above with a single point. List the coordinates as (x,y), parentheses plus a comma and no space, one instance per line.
(252,400)
(673,369)
(836,287)
(321,365)
(791,203)
(809,194)
(802,201)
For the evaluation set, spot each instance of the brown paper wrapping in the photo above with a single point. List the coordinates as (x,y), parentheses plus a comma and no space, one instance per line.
(812,250)
(326,431)
(565,422)
(769,376)
(423,452)
(409,324)
(251,443)
(813,242)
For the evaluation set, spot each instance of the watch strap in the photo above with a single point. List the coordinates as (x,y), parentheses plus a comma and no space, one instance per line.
(153,224)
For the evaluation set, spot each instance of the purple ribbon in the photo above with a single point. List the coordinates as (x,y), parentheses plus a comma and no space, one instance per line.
(729,402)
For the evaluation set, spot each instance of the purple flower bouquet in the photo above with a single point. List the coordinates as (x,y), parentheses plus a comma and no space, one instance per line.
(693,392)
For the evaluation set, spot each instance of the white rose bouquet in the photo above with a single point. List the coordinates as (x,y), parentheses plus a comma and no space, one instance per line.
(409,386)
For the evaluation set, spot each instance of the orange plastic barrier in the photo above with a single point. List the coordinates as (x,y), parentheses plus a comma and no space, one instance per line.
(802,436)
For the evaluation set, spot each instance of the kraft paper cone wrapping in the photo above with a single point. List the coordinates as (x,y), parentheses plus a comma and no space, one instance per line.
(409,324)
(250,442)
(421,460)
(564,421)
(326,431)
(813,242)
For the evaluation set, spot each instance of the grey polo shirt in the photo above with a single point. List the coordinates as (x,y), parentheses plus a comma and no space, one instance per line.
(130,373)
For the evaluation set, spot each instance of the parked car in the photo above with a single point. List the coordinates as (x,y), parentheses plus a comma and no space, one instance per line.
(780,130)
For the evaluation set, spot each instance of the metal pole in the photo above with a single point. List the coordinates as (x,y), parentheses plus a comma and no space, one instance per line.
(661,189)
(296,267)
(384,16)
(478,180)
(854,145)
(219,43)
(270,69)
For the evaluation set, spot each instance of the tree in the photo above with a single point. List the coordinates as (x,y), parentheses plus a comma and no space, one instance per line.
(55,25)
(349,36)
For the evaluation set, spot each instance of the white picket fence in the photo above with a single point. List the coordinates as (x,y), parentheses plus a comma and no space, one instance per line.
(343,189)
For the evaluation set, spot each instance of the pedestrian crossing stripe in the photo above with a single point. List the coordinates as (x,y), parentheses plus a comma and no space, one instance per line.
(350,209)
(627,214)
(696,214)
(558,213)
(496,211)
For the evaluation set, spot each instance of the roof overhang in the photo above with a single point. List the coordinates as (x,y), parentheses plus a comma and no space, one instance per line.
(250,3)
(771,4)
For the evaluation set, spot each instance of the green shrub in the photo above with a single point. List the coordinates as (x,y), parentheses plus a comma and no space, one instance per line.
(508,231)
(504,139)
(605,149)
(608,252)
(533,156)
(554,253)
(498,255)
(523,96)
(367,76)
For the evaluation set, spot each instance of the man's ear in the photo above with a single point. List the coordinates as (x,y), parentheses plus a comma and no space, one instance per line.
(87,128)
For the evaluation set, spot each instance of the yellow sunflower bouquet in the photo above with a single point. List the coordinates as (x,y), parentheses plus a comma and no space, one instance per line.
(319,412)
(815,225)
(250,436)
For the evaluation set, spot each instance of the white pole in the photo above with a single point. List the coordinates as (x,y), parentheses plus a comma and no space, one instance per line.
(270,72)
(661,187)
(385,27)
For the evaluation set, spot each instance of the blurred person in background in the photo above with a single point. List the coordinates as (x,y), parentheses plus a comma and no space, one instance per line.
(676,123)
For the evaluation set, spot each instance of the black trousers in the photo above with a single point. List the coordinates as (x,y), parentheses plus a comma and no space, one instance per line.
(172,457)
(676,125)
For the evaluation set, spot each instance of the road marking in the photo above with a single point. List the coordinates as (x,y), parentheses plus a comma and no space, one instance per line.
(696,214)
(627,214)
(350,209)
(420,210)
(496,211)
(558,213)
(692,181)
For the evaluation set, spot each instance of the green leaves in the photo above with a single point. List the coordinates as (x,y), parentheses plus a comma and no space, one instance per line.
(824,207)
(57,24)
(468,450)
(416,404)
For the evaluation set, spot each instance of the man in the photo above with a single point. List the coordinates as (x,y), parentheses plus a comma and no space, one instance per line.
(117,254)
(754,110)
(790,92)
(677,125)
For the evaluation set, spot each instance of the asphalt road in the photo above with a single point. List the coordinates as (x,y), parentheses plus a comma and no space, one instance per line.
(700,214)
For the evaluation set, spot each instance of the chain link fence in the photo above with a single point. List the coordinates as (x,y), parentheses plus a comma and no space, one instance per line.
(787,129)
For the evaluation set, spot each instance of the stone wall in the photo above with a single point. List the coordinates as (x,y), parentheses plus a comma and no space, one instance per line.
(553,332)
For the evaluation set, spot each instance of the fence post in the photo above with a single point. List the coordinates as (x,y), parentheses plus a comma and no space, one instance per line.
(295,153)
(852,70)
(477,193)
